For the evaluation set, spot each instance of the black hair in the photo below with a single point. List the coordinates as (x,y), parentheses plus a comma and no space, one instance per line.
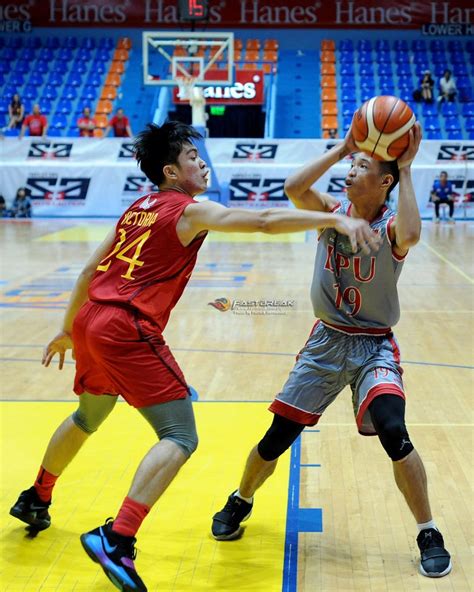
(390,167)
(157,146)
(443,173)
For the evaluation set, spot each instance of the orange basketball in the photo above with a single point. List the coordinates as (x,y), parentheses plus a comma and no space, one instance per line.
(380,127)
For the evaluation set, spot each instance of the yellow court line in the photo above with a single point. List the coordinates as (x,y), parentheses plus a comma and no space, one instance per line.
(450,263)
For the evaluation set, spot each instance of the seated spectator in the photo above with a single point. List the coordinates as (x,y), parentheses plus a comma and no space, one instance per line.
(21,207)
(332,133)
(16,112)
(426,87)
(86,124)
(3,207)
(447,87)
(442,193)
(36,123)
(120,124)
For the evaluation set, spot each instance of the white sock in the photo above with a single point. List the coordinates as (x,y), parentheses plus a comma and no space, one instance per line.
(249,500)
(425,525)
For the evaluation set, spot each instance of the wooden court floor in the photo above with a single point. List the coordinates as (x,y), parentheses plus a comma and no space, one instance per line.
(332,518)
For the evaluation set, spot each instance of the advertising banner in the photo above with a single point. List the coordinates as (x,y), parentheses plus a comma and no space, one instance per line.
(246,90)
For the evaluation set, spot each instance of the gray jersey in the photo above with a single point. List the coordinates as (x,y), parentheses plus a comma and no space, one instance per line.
(354,292)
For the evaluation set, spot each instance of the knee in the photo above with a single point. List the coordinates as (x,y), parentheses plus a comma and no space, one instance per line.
(280,436)
(187,442)
(394,437)
(85,423)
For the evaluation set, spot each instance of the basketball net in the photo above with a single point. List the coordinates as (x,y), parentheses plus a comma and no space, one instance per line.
(188,91)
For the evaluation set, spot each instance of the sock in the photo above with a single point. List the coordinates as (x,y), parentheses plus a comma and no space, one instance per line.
(44,484)
(249,500)
(130,517)
(425,525)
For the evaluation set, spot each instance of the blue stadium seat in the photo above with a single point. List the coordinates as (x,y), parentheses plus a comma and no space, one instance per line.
(460,70)
(27,53)
(471,135)
(103,55)
(4,67)
(64,106)
(432,124)
(366,94)
(438,70)
(28,104)
(420,57)
(2,79)
(84,55)
(51,43)
(65,54)
(388,88)
(106,43)
(434,134)
(364,45)
(4,106)
(82,104)
(346,83)
(468,109)
(41,67)
(50,92)
(33,42)
(344,70)
(469,124)
(9,90)
(46,54)
(30,92)
(344,57)
(457,58)
(69,93)
(365,57)
(74,79)
(346,44)
(16,78)
(429,110)
(55,79)
(73,132)
(448,109)
(54,132)
(420,69)
(80,67)
(89,93)
(349,107)
(348,94)
(400,45)
(14,41)
(100,67)
(405,94)
(463,82)
(455,45)
(46,106)
(402,57)
(452,123)
(384,70)
(87,43)
(454,134)
(418,44)
(383,57)
(382,45)
(23,67)
(366,70)
(59,121)
(368,83)
(403,70)
(405,82)
(70,42)
(436,45)
(346,120)
(439,58)
(36,79)
(9,53)
(12,133)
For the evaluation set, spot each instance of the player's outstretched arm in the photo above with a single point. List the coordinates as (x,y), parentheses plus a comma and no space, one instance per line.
(407,227)
(298,186)
(212,216)
(63,341)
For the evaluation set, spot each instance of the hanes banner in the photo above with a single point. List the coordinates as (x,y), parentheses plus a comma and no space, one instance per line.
(246,90)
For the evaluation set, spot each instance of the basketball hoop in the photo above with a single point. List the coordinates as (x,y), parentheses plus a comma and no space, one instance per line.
(189,91)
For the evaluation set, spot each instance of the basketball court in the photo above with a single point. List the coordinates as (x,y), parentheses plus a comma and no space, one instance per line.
(331,518)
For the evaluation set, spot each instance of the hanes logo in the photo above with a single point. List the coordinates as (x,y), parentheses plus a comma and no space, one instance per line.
(55,190)
(455,152)
(244,151)
(256,189)
(50,150)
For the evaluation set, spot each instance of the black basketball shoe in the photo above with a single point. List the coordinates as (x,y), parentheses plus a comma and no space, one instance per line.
(115,554)
(435,560)
(30,509)
(226,523)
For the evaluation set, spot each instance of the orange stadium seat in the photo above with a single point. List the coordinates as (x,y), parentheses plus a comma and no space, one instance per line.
(252,56)
(249,66)
(104,106)
(124,43)
(329,122)
(238,44)
(329,108)
(213,52)
(101,120)
(271,45)
(112,80)
(120,55)
(117,68)
(98,133)
(327,68)
(328,56)
(328,44)
(328,94)
(109,92)
(328,81)
(237,55)
(326,134)
(270,56)
(253,44)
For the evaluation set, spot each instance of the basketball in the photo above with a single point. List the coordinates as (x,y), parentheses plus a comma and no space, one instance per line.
(380,127)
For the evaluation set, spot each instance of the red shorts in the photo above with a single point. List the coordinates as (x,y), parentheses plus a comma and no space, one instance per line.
(120,353)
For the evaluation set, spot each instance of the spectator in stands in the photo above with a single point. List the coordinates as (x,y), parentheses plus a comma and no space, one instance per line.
(3,207)
(36,123)
(16,112)
(86,124)
(447,87)
(442,193)
(21,207)
(121,125)
(426,87)
(332,133)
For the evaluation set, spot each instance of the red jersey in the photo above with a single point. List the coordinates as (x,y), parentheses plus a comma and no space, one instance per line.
(148,267)
(120,126)
(84,132)
(36,124)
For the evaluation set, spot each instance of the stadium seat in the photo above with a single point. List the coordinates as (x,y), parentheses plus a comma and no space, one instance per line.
(366,70)
(14,42)
(103,55)
(22,67)
(74,79)
(469,124)
(403,70)
(452,123)
(126,43)
(457,58)
(384,70)
(64,106)
(448,109)
(328,94)
(101,120)
(59,121)
(117,68)
(46,54)
(55,79)
(402,57)
(346,70)
(51,42)
(112,80)
(29,92)
(251,55)
(95,79)
(470,135)
(328,81)
(461,70)
(329,122)
(65,54)
(405,82)
(69,93)
(50,92)
(100,67)
(27,53)
(45,105)
(60,67)
(365,57)
(4,67)
(252,45)
(2,79)
(104,107)
(348,94)
(120,55)
(348,82)
(383,57)
(33,42)
(4,106)
(400,45)
(439,58)
(329,108)
(346,44)
(84,55)
(454,134)
(432,123)
(463,82)
(328,56)
(16,78)
(41,67)
(434,134)
(12,133)
(73,132)
(468,109)
(382,45)
(89,93)
(9,90)
(54,132)
(325,68)
(87,43)
(364,45)
(429,110)
(36,79)
(455,45)
(348,108)
(273,45)
(346,57)
(106,43)
(418,45)
(109,93)
(466,96)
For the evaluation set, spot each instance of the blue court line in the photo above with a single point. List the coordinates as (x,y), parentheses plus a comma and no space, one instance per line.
(245,353)
(305,466)
(297,520)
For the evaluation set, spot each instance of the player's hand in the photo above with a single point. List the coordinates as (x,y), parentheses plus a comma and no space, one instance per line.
(408,156)
(360,234)
(59,345)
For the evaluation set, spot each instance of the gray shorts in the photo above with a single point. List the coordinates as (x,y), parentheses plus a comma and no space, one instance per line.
(331,360)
